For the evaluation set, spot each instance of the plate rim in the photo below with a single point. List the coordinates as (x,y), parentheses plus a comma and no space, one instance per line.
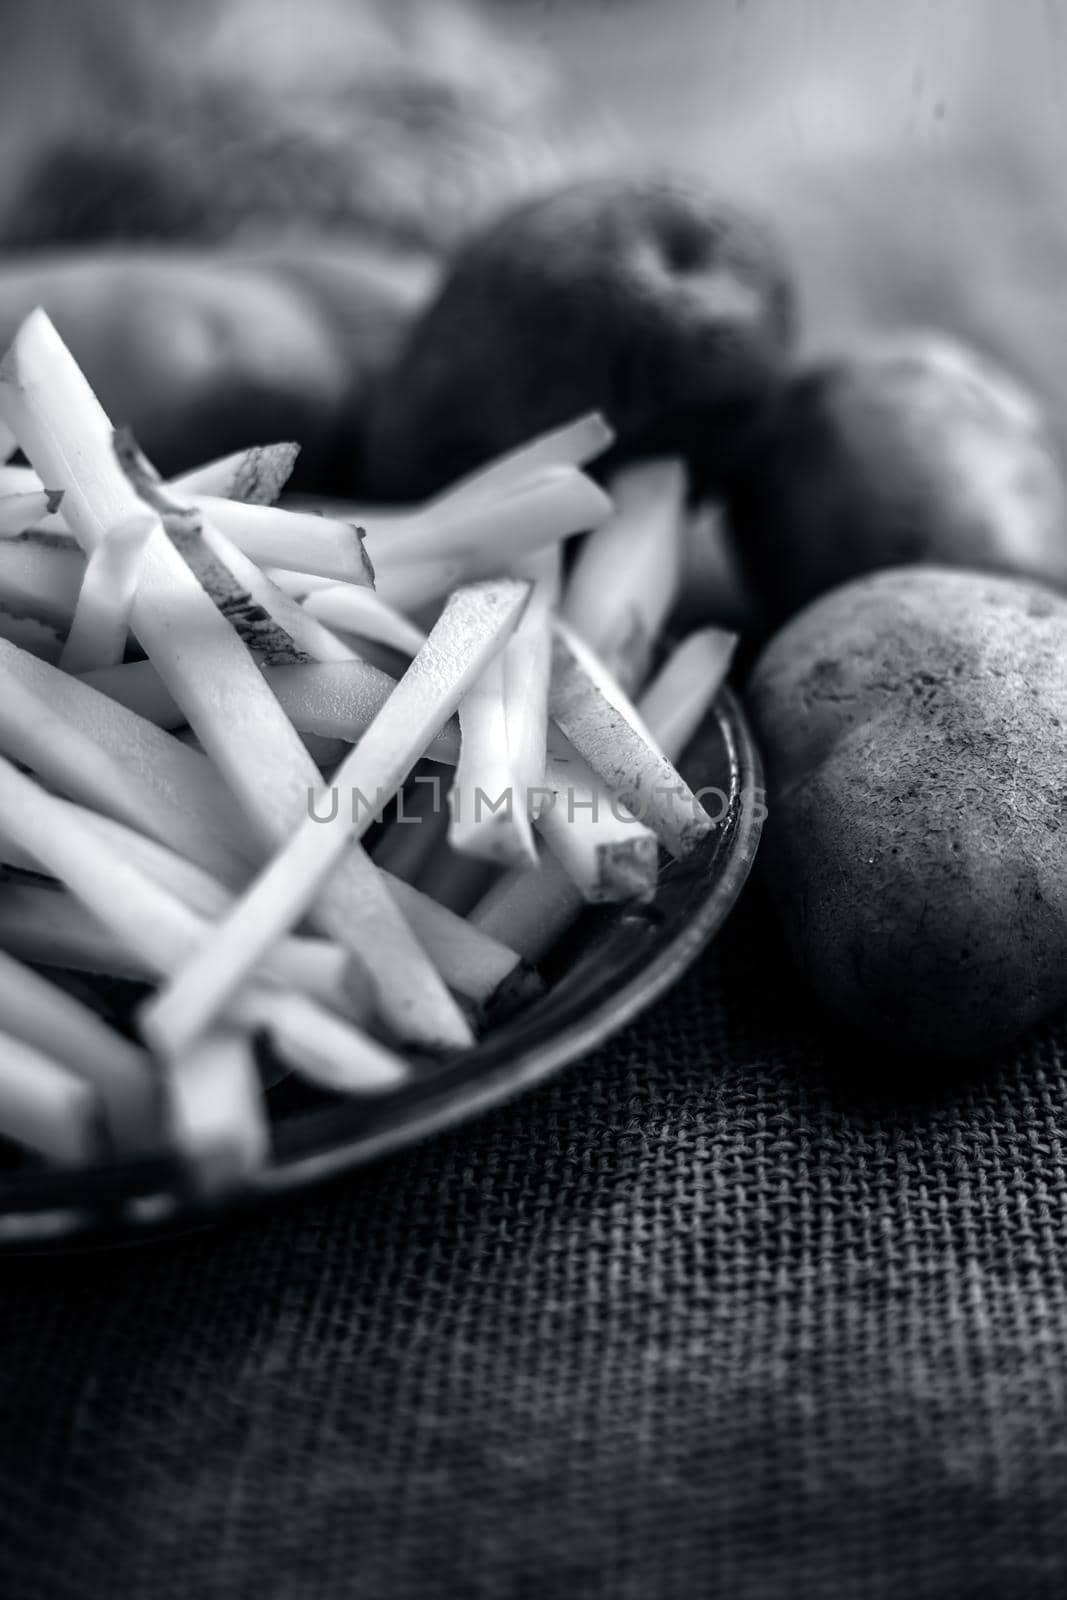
(123,1217)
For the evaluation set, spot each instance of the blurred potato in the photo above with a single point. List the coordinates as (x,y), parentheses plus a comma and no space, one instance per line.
(908,155)
(904,450)
(203,353)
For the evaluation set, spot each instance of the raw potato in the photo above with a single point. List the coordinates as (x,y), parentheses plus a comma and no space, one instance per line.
(912,449)
(647,300)
(914,725)
(473,626)
(210,351)
(256,475)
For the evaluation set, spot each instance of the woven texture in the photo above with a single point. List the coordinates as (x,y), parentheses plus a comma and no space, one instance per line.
(710,1315)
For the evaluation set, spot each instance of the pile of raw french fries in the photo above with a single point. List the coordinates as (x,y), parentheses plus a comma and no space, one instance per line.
(208,699)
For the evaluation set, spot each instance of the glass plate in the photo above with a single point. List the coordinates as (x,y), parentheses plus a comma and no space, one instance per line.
(609,967)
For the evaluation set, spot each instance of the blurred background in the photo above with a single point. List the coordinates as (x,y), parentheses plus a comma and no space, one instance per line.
(911,155)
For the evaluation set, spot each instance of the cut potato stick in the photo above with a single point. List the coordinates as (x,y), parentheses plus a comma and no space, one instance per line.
(488,816)
(361,611)
(339,700)
(60,424)
(598,674)
(43,536)
(61,754)
(297,584)
(187,882)
(321,1048)
(19,480)
(276,627)
(181,780)
(21,511)
(333,700)
(39,639)
(257,475)
(273,536)
(606,851)
(677,700)
(64,751)
(248,736)
(472,628)
(54,415)
(190,884)
(317,967)
(417,831)
(323,971)
(279,778)
(137,686)
(269,622)
(155,924)
(46,1107)
(216,1115)
(354,907)
(574,444)
(626,578)
(527,666)
(471,963)
(611,737)
(713,585)
(158,928)
(42,924)
(17,860)
(47,927)
(487,534)
(534,909)
(327,754)
(97,636)
(412,586)
(414,566)
(211,676)
(445,881)
(455,881)
(40,579)
(383,656)
(45,1016)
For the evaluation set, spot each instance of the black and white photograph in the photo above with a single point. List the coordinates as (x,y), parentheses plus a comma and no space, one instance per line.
(533,800)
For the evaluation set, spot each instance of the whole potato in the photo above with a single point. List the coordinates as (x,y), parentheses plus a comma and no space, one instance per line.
(914,724)
(908,450)
(647,300)
(202,353)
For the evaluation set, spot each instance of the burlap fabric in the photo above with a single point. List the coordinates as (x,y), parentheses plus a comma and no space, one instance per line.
(722,1311)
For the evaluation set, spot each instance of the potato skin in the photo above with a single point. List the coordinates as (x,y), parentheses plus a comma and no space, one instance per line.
(914,725)
(648,300)
(909,449)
